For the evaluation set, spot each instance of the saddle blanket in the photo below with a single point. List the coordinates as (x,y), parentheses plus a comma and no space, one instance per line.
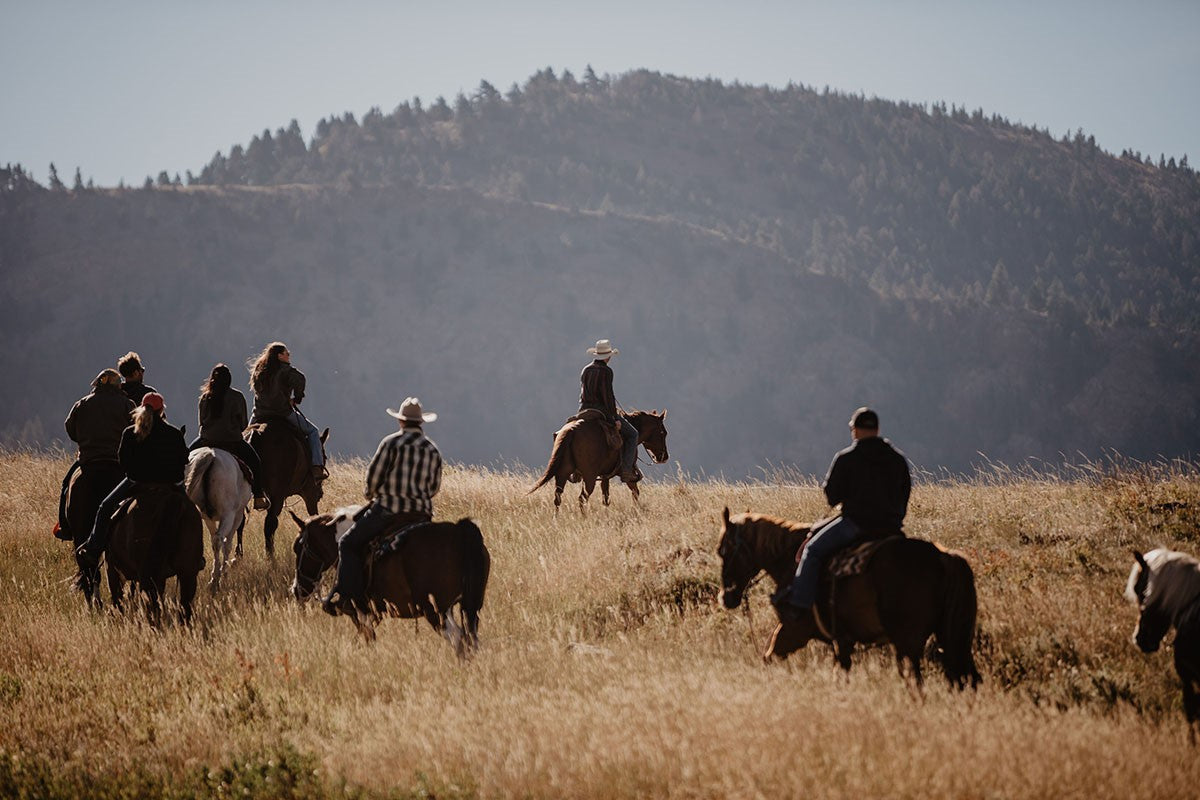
(391,542)
(853,560)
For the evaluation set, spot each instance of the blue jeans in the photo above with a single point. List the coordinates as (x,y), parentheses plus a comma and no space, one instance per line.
(629,436)
(301,423)
(824,543)
(352,548)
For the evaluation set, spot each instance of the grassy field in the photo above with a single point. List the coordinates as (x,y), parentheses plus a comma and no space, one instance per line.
(607,668)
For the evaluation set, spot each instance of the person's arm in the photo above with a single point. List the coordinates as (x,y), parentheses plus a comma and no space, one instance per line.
(835,481)
(72,423)
(238,415)
(296,383)
(435,481)
(606,392)
(378,468)
(201,412)
(125,451)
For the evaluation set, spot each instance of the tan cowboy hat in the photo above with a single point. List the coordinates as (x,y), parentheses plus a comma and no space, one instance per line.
(603,349)
(410,411)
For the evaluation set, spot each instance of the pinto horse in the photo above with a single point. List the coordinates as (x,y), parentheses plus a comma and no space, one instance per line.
(286,471)
(438,565)
(215,483)
(157,536)
(908,591)
(581,452)
(1165,586)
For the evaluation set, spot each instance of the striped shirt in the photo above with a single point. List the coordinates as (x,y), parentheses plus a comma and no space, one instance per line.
(405,473)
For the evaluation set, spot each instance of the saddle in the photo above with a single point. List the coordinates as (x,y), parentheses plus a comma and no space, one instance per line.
(275,423)
(848,562)
(393,539)
(612,433)
(145,491)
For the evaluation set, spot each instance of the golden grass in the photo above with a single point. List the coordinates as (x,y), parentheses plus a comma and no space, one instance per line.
(607,669)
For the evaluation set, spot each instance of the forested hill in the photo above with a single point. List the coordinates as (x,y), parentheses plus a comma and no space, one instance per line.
(766,259)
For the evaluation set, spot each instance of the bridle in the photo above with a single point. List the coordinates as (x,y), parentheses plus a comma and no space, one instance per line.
(739,546)
(300,554)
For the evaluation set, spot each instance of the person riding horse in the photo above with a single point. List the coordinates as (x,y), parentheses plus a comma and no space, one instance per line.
(152,453)
(596,392)
(131,369)
(402,478)
(278,391)
(871,481)
(95,423)
(222,416)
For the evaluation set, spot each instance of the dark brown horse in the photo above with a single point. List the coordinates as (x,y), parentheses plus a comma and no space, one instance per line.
(87,489)
(158,536)
(439,564)
(286,471)
(908,591)
(1165,586)
(582,452)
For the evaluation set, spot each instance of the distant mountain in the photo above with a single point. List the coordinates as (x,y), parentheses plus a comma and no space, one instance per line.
(765,259)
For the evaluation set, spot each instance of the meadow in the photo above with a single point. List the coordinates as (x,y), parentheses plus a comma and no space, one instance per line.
(607,667)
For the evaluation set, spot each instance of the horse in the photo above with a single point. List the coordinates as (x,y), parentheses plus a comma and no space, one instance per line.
(286,471)
(87,489)
(158,535)
(1165,586)
(581,452)
(909,590)
(215,483)
(438,565)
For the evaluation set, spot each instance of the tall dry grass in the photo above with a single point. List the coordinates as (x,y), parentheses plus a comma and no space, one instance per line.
(607,669)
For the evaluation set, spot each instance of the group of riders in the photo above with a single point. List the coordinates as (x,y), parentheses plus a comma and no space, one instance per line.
(125,443)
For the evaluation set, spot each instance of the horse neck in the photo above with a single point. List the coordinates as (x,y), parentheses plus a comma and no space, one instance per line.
(1175,588)
(638,420)
(774,548)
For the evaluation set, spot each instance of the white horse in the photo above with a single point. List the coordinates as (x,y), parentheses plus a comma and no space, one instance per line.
(1165,586)
(215,483)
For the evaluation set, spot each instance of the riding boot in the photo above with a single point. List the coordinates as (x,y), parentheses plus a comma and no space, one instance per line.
(348,592)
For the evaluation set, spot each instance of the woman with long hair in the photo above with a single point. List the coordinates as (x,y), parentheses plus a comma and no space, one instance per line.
(152,451)
(222,416)
(278,391)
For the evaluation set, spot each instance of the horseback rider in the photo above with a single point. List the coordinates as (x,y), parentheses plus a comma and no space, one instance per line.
(152,452)
(402,478)
(871,481)
(596,392)
(131,369)
(222,415)
(95,423)
(278,391)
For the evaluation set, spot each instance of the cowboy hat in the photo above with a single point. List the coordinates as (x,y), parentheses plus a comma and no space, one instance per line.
(410,411)
(603,349)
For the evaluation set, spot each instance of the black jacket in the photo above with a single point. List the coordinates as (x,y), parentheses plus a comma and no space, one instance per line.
(96,423)
(159,458)
(870,479)
(596,388)
(136,390)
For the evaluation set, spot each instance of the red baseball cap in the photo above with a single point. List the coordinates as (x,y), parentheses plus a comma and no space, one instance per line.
(153,401)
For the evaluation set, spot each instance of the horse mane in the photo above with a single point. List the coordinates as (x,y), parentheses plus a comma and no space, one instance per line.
(769,532)
(1174,581)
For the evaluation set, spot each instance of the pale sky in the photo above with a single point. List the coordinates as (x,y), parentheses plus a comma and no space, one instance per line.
(125,89)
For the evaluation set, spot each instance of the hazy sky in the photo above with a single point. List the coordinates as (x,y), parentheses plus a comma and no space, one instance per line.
(126,89)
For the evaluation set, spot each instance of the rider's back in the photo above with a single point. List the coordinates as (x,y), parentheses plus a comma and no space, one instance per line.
(97,421)
(274,398)
(159,458)
(871,480)
(225,424)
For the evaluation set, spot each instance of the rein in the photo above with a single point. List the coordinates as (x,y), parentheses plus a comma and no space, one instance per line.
(304,549)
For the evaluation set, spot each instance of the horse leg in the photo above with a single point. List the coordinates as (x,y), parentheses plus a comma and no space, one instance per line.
(215,529)
(589,485)
(270,524)
(153,602)
(843,649)
(454,635)
(187,594)
(238,552)
(604,489)
(116,587)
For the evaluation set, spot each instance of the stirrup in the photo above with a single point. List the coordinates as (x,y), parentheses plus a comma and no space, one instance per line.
(261,503)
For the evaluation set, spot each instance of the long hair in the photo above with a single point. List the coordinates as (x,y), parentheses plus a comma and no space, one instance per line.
(143,421)
(218,383)
(264,366)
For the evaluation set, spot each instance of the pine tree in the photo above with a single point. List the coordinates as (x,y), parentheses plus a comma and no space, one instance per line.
(56,185)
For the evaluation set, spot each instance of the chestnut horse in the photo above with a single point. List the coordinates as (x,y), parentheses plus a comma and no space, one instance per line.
(286,471)
(908,591)
(438,565)
(157,536)
(1165,586)
(581,452)
(88,487)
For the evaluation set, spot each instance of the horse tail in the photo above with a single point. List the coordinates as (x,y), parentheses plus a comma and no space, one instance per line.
(956,632)
(557,455)
(197,481)
(476,566)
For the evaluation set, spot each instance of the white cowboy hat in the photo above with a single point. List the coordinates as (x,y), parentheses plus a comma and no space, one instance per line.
(410,411)
(603,349)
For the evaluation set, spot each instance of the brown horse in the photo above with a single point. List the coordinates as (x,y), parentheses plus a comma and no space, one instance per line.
(581,452)
(908,591)
(87,489)
(286,471)
(438,565)
(158,536)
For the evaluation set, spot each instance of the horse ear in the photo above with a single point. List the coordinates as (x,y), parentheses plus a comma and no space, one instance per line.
(299,522)
(324,436)
(1140,559)
(664,414)
(725,515)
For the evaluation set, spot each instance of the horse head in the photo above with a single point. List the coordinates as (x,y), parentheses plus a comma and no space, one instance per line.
(1153,619)
(652,433)
(316,550)
(738,567)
